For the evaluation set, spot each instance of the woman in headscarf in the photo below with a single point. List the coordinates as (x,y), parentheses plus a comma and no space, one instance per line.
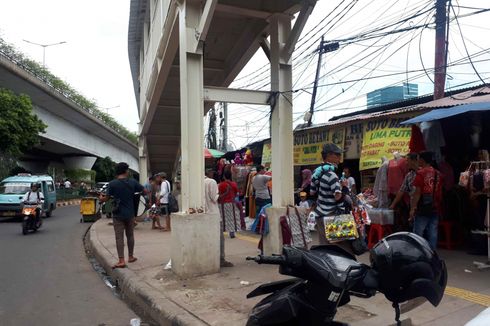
(306,176)
(306,181)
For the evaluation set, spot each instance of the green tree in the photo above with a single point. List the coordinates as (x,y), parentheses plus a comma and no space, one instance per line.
(105,169)
(19,126)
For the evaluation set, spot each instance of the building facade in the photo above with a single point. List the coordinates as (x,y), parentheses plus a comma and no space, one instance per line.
(392,94)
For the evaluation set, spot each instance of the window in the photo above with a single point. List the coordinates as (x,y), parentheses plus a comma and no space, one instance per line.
(50,186)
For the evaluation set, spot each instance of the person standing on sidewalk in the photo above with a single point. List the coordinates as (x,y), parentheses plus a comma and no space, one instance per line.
(165,190)
(325,183)
(230,215)
(260,184)
(427,201)
(122,189)
(211,195)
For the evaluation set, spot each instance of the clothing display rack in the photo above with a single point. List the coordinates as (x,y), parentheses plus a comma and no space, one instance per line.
(486,230)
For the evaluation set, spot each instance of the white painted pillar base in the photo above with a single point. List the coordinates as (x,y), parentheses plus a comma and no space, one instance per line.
(273,240)
(195,246)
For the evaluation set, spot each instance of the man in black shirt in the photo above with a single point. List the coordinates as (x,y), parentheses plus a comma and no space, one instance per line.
(122,189)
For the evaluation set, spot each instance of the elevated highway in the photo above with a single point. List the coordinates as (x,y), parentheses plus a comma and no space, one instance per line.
(74,138)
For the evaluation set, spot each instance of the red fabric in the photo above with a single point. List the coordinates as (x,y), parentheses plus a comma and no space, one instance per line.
(425,181)
(448,174)
(417,144)
(227,191)
(397,169)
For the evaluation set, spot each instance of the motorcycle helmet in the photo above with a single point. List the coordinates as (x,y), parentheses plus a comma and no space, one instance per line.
(408,268)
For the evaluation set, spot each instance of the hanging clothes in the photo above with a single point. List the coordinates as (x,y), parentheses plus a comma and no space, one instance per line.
(433,137)
(397,169)
(417,144)
(380,188)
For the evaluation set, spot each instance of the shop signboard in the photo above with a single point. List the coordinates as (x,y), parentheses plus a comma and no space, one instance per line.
(382,138)
(308,144)
(267,154)
(353,141)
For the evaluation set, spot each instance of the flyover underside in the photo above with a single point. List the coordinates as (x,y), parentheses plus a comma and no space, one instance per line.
(234,36)
(71,130)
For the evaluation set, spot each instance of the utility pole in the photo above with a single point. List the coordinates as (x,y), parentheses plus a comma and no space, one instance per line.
(224,127)
(441,48)
(323,48)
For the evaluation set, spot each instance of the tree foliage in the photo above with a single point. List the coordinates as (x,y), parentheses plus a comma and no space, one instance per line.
(19,126)
(105,169)
(63,88)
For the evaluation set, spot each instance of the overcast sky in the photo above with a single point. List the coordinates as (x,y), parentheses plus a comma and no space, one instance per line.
(94,60)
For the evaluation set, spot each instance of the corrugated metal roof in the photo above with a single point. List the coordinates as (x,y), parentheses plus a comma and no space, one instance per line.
(474,95)
(479,95)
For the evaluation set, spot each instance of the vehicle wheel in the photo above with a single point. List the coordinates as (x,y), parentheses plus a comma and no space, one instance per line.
(24,228)
(49,213)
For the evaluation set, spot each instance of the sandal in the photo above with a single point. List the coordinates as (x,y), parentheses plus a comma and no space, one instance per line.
(132,260)
(118,265)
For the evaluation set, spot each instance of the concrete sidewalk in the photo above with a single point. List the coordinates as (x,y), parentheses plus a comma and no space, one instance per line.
(220,299)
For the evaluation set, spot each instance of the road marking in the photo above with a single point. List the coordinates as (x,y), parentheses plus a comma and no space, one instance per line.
(245,237)
(478,298)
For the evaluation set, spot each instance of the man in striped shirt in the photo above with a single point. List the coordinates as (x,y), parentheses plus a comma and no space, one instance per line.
(326,185)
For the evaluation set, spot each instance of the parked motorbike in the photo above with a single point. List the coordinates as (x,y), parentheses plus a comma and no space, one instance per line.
(31,217)
(403,267)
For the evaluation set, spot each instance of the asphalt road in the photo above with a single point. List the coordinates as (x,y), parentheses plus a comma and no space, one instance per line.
(46,279)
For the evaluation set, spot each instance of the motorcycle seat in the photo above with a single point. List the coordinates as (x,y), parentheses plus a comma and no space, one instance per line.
(338,266)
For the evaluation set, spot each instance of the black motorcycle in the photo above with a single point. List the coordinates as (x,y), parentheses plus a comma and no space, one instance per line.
(31,217)
(326,277)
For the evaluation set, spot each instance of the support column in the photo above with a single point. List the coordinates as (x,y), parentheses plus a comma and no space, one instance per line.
(281,131)
(143,159)
(195,237)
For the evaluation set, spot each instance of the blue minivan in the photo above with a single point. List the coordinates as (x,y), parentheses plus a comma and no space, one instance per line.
(12,189)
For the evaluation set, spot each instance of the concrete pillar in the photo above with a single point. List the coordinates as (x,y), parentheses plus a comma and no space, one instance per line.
(282,115)
(143,159)
(281,132)
(195,237)
(79,162)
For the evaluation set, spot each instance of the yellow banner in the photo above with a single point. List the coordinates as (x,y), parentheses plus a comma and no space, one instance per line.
(308,144)
(267,154)
(382,138)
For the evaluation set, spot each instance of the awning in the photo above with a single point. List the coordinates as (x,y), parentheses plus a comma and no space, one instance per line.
(446,113)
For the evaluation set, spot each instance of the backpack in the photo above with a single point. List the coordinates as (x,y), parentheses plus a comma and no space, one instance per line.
(173,205)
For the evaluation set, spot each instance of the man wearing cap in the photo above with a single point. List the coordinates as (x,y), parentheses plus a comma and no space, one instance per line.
(326,185)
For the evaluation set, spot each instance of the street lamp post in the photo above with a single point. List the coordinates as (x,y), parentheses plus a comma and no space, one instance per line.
(44,46)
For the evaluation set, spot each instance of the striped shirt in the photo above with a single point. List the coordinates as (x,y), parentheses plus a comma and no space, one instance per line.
(326,187)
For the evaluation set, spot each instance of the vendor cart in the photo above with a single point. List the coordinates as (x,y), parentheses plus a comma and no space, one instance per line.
(89,209)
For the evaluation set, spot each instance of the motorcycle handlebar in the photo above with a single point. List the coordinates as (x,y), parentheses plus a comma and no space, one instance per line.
(271,260)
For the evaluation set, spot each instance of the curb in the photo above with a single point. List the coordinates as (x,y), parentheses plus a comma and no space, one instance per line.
(68,203)
(136,292)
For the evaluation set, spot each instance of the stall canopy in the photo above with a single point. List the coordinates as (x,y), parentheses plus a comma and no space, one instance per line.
(212,153)
(446,113)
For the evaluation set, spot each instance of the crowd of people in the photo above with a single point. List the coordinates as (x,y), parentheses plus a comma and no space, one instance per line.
(321,191)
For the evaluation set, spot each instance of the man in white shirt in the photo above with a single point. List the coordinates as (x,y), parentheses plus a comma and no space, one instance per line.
(211,196)
(350,181)
(34,196)
(67,184)
(165,190)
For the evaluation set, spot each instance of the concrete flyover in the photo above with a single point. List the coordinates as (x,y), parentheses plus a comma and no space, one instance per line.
(74,138)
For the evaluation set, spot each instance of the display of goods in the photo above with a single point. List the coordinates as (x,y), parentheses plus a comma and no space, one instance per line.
(340,228)
(239,174)
(382,216)
(464,178)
